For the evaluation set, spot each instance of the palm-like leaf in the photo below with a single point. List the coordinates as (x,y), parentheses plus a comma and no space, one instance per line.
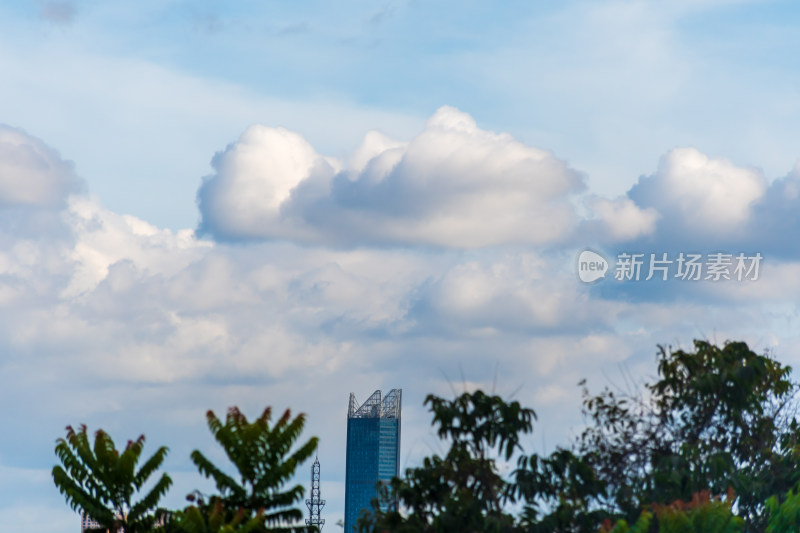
(102,482)
(265,457)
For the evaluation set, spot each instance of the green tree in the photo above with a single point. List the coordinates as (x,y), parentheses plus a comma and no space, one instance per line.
(717,418)
(463,490)
(214,519)
(265,458)
(559,493)
(103,483)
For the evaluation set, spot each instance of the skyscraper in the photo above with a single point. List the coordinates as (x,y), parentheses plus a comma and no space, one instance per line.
(87,522)
(373,450)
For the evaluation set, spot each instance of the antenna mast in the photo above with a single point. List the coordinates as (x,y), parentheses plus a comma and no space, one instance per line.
(315,503)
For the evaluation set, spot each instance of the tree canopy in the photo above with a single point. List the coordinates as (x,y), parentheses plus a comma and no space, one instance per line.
(710,445)
(461,491)
(104,483)
(265,459)
(717,418)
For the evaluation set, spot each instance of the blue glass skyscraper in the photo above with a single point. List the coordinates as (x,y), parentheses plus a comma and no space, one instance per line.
(373,450)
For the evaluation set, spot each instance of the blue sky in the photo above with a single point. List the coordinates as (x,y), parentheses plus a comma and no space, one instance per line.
(205,204)
(607,86)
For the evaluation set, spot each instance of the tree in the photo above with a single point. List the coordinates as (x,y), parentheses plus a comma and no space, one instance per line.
(265,462)
(214,519)
(559,492)
(102,482)
(717,421)
(463,490)
(717,418)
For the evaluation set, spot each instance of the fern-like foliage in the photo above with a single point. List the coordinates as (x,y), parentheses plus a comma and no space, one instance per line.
(104,483)
(265,456)
(784,513)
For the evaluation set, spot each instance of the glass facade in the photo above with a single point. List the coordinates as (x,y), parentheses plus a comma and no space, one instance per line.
(373,450)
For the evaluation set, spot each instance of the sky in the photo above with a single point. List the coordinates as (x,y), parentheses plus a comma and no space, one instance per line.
(206,204)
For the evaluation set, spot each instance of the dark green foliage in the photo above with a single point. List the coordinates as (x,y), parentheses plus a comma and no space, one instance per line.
(215,519)
(480,424)
(463,490)
(265,461)
(558,492)
(102,482)
(717,418)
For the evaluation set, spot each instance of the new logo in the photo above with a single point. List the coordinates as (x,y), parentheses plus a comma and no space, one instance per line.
(591,266)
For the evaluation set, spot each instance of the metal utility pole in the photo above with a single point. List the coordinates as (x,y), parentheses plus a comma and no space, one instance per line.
(315,503)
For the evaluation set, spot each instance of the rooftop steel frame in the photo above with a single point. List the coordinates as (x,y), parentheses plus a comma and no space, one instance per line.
(375,407)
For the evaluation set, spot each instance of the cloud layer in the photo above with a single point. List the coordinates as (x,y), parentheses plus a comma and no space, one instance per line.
(453,185)
(457,186)
(434,264)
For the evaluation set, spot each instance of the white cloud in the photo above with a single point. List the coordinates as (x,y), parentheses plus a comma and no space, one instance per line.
(697,202)
(514,292)
(103,238)
(254,177)
(453,185)
(378,151)
(622,219)
(31,173)
(710,196)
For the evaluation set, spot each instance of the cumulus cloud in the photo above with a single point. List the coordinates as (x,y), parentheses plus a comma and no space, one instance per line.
(619,219)
(454,185)
(777,217)
(31,173)
(254,178)
(102,238)
(712,196)
(517,292)
(701,203)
